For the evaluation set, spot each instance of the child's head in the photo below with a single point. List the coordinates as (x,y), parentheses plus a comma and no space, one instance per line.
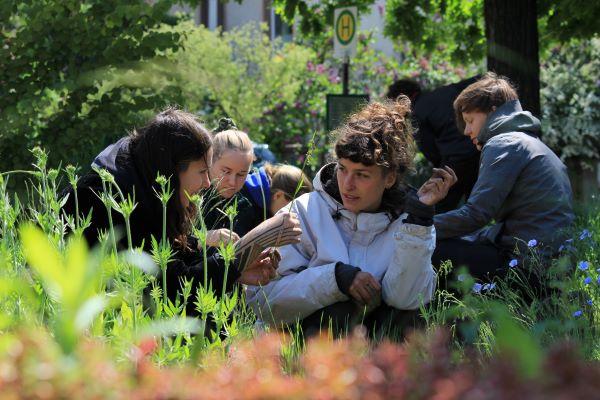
(374,150)
(478,100)
(285,179)
(232,158)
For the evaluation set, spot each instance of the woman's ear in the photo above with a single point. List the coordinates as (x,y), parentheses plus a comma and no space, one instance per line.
(390,179)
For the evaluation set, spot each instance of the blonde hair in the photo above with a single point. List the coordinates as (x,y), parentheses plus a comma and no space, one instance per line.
(231,139)
(287,178)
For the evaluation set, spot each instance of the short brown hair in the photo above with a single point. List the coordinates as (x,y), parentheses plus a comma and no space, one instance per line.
(488,92)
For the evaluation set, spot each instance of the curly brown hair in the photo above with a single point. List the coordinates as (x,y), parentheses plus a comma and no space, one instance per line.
(380,134)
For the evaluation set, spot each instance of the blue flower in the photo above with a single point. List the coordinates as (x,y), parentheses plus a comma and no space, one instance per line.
(513,263)
(489,286)
(589,302)
(585,234)
(587,280)
(561,248)
(577,314)
(532,243)
(583,265)
(598,281)
(477,287)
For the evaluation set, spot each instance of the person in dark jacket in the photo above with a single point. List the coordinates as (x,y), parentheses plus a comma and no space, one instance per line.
(173,144)
(522,188)
(438,137)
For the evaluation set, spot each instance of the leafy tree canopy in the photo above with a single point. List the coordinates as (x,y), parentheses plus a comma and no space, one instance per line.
(454,27)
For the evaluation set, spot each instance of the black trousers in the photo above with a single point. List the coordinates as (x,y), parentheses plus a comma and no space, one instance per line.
(466,171)
(341,318)
(483,260)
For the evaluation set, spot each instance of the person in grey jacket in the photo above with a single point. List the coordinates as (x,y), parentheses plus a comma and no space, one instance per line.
(522,197)
(366,244)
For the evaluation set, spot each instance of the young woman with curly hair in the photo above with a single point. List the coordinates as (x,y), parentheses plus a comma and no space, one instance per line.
(366,244)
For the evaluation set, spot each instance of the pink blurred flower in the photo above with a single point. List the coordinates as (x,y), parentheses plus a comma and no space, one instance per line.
(320,68)
(424,63)
(310,66)
(381,69)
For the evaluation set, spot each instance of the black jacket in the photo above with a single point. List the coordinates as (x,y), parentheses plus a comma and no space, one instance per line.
(437,134)
(145,222)
(249,214)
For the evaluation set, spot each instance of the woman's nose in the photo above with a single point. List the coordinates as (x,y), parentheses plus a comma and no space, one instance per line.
(349,182)
(206,181)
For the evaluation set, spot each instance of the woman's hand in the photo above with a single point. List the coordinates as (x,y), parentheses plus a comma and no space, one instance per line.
(436,187)
(365,289)
(262,269)
(215,237)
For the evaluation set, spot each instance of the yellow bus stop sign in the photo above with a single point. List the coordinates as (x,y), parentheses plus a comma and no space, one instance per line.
(345,27)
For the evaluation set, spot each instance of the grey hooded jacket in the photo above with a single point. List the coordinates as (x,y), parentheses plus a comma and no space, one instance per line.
(522,186)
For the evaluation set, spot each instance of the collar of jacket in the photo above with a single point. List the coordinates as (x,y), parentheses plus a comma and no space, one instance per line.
(325,183)
(507,118)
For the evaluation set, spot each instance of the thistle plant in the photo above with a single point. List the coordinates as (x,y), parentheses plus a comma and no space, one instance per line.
(73,178)
(162,251)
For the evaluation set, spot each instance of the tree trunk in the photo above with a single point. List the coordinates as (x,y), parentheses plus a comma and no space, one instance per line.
(512,39)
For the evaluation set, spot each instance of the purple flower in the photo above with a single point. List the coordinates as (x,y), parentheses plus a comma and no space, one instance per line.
(477,287)
(320,68)
(309,82)
(314,113)
(513,263)
(298,104)
(334,79)
(532,243)
(310,66)
(583,265)
(587,280)
(589,302)
(577,314)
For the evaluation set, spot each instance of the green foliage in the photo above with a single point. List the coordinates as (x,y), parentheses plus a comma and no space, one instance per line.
(454,28)
(49,57)
(571,100)
(567,19)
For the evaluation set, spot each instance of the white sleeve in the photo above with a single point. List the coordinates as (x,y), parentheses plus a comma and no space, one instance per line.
(410,279)
(302,288)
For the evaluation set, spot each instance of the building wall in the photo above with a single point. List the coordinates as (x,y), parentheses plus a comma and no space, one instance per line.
(240,14)
(235,14)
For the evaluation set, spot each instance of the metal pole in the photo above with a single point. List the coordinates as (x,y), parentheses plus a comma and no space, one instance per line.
(345,75)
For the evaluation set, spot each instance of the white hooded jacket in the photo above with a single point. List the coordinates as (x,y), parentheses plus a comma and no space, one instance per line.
(397,254)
